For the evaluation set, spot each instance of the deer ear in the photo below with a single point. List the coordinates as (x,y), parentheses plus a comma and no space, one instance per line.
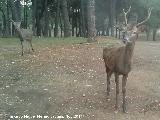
(135,29)
(141,28)
(120,27)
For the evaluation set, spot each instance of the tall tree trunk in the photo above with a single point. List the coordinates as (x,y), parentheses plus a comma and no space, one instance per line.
(16,10)
(107,31)
(38,17)
(79,25)
(154,34)
(148,34)
(57,19)
(34,7)
(3,30)
(112,15)
(76,23)
(61,26)
(116,24)
(38,25)
(25,14)
(8,30)
(91,21)
(73,21)
(67,26)
(46,20)
(119,34)
(82,14)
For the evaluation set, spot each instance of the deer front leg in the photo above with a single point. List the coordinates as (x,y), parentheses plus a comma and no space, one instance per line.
(117,90)
(124,80)
(108,83)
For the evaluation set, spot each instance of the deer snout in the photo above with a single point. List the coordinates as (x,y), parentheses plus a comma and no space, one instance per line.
(126,40)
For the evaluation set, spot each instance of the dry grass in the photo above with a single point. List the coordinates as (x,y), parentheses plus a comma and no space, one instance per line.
(69,79)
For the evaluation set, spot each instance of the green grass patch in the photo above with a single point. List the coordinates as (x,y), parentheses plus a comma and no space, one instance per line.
(57,41)
(11,47)
(8,41)
(43,41)
(109,41)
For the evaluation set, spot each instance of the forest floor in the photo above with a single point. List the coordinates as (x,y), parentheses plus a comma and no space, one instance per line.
(68,81)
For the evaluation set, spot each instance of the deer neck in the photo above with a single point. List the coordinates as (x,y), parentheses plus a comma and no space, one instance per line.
(129,49)
(19,31)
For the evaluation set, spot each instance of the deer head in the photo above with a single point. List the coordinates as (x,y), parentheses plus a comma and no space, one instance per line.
(16,24)
(131,31)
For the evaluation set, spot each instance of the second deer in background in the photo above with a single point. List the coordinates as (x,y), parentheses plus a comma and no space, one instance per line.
(118,60)
(24,34)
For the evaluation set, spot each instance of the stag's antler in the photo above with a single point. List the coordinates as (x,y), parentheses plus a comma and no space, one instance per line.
(149,14)
(11,20)
(125,15)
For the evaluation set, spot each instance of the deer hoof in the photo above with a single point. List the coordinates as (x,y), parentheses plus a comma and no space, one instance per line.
(116,111)
(125,111)
(108,99)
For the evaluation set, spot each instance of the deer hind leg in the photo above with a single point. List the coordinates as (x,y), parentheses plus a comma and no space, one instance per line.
(124,80)
(22,47)
(30,42)
(117,90)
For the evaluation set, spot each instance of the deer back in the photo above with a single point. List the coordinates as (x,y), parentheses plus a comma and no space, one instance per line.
(26,34)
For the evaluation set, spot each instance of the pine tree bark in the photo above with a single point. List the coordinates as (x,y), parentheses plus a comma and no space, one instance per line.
(25,15)
(112,16)
(46,20)
(39,15)
(65,16)
(154,34)
(148,31)
(16,13)
(16,10)
(8,30)
(3,30)
(82,15)
(91,21)
(34,6)
(57,19)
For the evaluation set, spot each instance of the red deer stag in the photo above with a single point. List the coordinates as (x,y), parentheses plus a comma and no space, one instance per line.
(24,34)
(118,60)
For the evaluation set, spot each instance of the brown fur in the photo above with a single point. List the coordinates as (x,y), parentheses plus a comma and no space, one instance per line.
(24,34)
(118,60)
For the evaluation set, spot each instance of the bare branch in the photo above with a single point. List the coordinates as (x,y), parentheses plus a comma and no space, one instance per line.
(149,14)
(125,15)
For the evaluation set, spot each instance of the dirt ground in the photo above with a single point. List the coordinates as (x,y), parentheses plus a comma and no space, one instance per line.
(69,82)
